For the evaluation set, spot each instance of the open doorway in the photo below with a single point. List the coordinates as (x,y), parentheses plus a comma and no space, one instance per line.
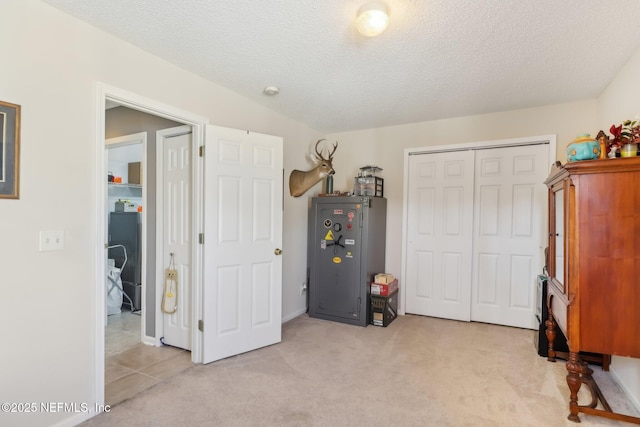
(132,353)
(126,254)
(131,143)
(237,185)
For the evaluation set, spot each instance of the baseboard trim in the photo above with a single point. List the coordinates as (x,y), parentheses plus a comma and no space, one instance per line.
(632,397)
(294,315)
(149,340)
(76,419)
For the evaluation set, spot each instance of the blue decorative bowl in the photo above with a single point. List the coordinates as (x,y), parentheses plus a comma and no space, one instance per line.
(583,148)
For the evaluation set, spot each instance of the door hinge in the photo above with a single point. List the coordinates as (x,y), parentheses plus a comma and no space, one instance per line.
(201,151)
(201,238)
(201,325)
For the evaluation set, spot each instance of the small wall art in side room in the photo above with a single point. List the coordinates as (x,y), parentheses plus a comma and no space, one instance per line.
(9,150)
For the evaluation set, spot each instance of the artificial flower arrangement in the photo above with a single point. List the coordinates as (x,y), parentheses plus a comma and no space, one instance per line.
(626,133)
(626,136)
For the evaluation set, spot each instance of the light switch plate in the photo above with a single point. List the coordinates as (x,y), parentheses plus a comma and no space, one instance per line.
(52,240)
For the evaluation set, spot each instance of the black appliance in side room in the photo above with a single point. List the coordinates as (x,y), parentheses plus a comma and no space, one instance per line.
(542,314)
(125,229)
(560,344)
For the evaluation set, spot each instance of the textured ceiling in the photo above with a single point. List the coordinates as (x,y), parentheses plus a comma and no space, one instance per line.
(437,59)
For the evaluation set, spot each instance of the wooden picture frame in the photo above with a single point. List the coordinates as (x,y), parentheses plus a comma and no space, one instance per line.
(9,150)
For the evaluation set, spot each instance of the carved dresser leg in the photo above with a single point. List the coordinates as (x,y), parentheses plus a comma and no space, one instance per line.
(574,369)
(550,332)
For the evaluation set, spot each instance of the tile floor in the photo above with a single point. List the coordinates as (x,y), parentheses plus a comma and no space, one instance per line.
(130,365)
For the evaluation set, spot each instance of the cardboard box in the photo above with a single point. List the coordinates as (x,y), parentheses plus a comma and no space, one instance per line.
(383,278)
(135,173)
(384,309)
(384,290)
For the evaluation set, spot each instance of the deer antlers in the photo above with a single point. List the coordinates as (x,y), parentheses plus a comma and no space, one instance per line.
(319,153)
(300,182)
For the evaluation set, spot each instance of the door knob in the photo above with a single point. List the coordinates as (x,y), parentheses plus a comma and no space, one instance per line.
(277,251)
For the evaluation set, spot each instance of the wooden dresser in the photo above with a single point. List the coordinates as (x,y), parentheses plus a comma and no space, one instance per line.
(594,267)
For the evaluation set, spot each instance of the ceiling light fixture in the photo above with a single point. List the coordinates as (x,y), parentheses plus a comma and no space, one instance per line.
(372,19)
(271,90)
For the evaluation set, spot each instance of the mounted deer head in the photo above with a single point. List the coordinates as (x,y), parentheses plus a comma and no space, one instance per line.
(300,182)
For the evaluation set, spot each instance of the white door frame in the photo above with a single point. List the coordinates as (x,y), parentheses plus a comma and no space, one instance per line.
(513,142)
(105,92)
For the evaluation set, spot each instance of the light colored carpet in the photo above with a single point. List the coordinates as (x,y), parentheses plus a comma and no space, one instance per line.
(418,371)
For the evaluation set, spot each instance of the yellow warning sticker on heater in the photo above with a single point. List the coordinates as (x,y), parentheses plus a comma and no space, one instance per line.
(337,259)
(329,235)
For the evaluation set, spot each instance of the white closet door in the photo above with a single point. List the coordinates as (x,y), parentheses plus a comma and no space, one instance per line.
(439,232)
(174,158)
(509,215)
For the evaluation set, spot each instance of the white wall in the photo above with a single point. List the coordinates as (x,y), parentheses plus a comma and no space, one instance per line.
(51,65)
(621,101)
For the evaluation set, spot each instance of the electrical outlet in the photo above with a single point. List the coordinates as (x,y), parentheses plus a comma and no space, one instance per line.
(303,288)
(51,240)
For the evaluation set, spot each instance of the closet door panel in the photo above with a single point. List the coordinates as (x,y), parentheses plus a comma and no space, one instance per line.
(509,213)
(439,230)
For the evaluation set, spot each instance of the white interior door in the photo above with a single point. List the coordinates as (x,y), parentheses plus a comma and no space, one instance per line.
(242,289)
(510,201)
(174,205)
(439,232)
